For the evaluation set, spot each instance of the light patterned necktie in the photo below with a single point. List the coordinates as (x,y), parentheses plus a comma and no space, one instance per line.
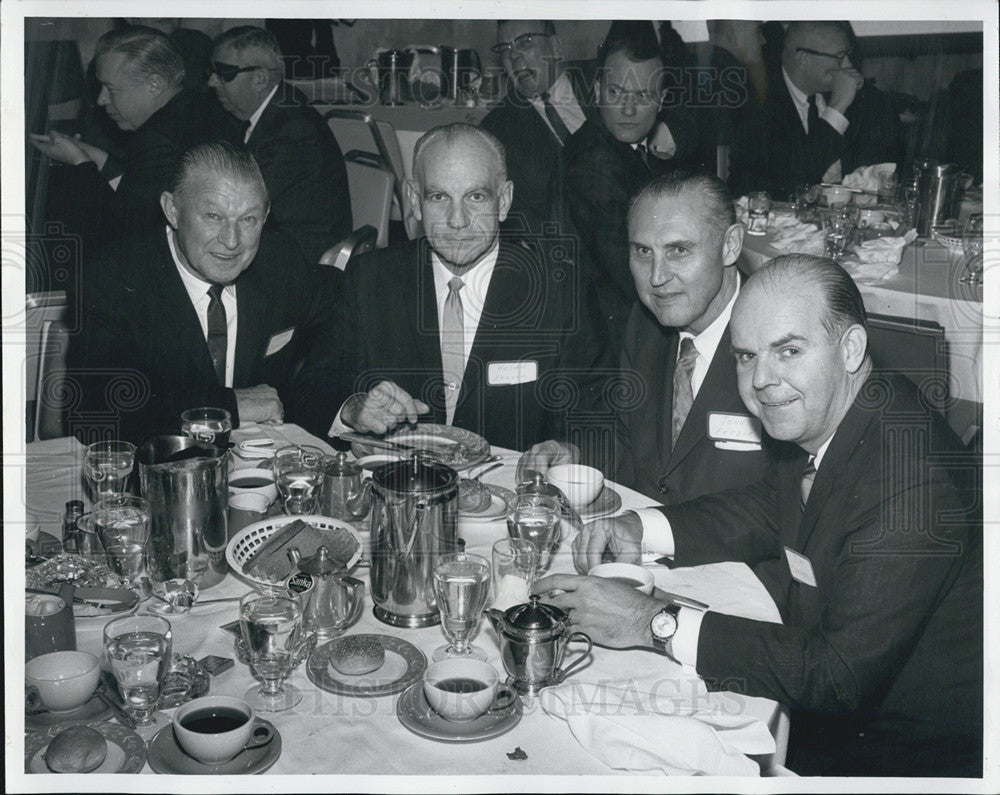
(218,333)
(808,476)
(683,394)
(453,346)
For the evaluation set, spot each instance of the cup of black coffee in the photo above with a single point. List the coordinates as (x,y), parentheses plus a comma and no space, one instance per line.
(253,481)
(215,729)
(463,689)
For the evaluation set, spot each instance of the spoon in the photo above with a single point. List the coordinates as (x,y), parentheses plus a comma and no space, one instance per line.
(489,468)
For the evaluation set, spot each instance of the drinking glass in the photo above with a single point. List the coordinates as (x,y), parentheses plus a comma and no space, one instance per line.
(758,206)
(536,518)
(271,627)
(138,650)
(107,466)
(462,586)
(515,561)
(888,184)
(122,523)
(207,424)
(805,199)
(298,471)
(839,228)
(972,247)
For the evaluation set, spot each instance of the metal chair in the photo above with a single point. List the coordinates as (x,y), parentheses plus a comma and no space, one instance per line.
(371,187)
(46,340)
(917,349)
(358,242)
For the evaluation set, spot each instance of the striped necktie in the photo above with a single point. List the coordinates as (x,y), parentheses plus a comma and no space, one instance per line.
(808,476)
(683,394)
(453,346)
(218,334)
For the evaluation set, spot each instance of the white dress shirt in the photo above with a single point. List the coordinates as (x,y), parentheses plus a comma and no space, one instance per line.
(562,98)
(258,113)
(833,117)
(197,289)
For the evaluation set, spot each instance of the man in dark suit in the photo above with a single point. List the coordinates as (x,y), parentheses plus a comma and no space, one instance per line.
(141,75)
(205,312)
(863,541)
(610,157)
(295,149)
(475,330)
(547,100)
(819,121)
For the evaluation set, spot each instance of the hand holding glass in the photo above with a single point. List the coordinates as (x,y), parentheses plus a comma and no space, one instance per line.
(107,466)
(298,471)
(271,626)
(462,586)
(138,650)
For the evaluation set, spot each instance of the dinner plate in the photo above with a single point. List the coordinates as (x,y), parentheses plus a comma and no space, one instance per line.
(404,664)
(417,715)
(497,508)
(94,711)
(166,756)
(440,440)
(608,502)
(126,749)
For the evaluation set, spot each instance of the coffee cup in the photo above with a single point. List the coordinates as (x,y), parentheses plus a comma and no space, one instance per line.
(580,484)
(245,509)
(63,680)
(215,729)
(462,690)
(253,481)
(626,573)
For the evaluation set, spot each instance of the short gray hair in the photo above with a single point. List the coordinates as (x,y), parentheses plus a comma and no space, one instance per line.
(451,133)
(219,158)
(714,196)
(147,51)
(246,37)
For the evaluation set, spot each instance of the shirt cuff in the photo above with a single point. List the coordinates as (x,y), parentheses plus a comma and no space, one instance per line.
(684,644)
(835,119)
(657,537)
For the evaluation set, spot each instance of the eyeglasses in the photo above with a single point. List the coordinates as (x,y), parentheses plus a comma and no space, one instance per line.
(837,56)
(523,43)
(227,72)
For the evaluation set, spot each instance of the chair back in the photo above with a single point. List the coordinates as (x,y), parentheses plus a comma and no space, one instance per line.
(371,195)
(358,242)
(915,348)
(47,339)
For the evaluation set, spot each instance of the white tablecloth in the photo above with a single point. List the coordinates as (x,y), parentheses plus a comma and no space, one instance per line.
(334,734)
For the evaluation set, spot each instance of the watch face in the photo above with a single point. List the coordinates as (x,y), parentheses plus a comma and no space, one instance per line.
(663,625)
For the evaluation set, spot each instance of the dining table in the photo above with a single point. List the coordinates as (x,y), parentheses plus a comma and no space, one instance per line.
(333,734)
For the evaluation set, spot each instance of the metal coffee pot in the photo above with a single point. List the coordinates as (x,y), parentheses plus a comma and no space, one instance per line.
(345,494)
(533,638)
(332,600)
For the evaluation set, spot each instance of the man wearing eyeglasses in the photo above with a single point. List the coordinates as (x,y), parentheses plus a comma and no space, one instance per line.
(547,100)
(819,121)
(302,164)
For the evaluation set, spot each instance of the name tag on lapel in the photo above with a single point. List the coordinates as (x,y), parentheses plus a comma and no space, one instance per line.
(800,568)
(279,341)
(507,373)
(734,431)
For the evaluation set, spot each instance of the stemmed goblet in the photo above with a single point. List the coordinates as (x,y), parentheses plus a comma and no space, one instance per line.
(271,628)
(298,472)
(138,649)
(462,586)
(972,247)
(122,523)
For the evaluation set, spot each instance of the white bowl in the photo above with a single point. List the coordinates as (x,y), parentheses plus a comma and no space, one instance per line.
(65,680)
(269,490)
(836,195)
(625,573)
(581,484)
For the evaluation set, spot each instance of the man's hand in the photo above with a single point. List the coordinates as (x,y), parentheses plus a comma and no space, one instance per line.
(619,535)
(259,404)
(59,147)
(611,613)
(546,454)
(846,83)
(382,409)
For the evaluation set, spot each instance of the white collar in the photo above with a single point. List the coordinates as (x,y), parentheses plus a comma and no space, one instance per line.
(561,91)
(255,117)
(800,97)
(476,279)
(822,451)
(707,342)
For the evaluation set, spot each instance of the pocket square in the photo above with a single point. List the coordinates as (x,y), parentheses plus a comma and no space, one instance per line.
(279,341)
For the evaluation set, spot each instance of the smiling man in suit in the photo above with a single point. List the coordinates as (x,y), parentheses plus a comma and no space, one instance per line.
(301,162)
(465,326)
(207,310)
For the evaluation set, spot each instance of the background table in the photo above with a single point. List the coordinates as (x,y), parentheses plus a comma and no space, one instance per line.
(335,734)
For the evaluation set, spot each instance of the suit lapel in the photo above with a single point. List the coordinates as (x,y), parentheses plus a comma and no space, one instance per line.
(252,311)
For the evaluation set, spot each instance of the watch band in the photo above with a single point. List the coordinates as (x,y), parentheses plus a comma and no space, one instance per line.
(661,641)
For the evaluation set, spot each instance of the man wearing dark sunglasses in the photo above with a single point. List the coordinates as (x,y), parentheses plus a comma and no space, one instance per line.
(302,165)
(819,122)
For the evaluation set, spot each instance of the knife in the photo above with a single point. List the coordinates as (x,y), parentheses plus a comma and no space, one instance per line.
(378,444)
(104,598)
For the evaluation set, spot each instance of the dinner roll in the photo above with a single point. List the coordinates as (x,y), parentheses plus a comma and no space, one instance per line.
(473,496)
(357,654)
(77,750)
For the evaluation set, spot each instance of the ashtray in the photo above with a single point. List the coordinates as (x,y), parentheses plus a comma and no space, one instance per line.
(184,680)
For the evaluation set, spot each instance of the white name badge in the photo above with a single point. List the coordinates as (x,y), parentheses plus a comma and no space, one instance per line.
(740,428)
(507,373)
(800,567)
(279,341)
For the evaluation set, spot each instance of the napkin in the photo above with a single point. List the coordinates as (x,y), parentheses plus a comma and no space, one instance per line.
(632,729)
(878,259)
(866,177)
(796,237)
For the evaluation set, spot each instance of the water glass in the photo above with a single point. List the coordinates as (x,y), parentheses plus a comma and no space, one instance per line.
(462,586)
(515,562)
(805,200)
(536,518)
(138,649)
(107,467)
(888,184)
(122,523)
(298,472)
(207,424)
(758,206)
(972,247)
(271,629)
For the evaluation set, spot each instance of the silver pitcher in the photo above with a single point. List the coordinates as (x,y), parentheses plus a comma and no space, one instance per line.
(186,483)
(940,194)
(345,494)
(413,522)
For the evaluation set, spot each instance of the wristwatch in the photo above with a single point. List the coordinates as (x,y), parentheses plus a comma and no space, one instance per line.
(663,626)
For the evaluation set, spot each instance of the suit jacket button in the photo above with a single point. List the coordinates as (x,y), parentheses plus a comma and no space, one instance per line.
(664,488)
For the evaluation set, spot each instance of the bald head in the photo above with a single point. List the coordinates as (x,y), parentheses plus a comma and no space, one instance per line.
(814,52)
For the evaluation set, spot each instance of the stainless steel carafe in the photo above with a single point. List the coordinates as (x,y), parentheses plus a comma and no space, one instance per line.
(186,483)
(413,522)
(940,194)
(345,495)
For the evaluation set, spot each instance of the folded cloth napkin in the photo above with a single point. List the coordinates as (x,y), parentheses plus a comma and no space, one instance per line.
(878,259)
(632,729)
(795,237)
(866,177)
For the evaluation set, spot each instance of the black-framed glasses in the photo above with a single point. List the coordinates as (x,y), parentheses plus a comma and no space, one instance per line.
(226,72)
(837,56)
(523,43)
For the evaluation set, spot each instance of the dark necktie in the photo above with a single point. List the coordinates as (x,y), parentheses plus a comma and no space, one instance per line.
(217,332)
(808,476)
(813,118)
(683,394)
(453,346)
(558,125)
